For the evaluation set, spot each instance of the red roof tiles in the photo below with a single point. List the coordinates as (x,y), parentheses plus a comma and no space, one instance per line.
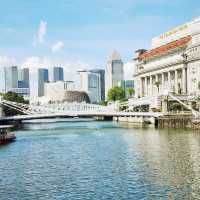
(166,48)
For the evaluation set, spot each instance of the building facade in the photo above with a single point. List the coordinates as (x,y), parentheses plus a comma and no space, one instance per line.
(55,91)
(91,83)
(58,74)
(23,78)
(16,80)
(11,78)
(114,71)
(101,72)
(171,65)
(23,82)
(43,77)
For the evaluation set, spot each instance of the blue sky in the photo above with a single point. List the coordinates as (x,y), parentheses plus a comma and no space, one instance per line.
(81,33)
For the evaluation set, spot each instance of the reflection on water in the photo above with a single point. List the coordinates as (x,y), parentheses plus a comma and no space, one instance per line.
(100,160)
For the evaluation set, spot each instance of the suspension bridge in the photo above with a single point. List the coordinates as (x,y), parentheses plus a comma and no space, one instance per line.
(66,109)
(37,111)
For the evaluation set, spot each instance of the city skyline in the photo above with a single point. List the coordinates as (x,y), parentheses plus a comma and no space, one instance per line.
(47,39)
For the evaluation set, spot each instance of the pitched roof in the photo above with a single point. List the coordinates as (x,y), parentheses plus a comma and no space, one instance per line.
(166,48)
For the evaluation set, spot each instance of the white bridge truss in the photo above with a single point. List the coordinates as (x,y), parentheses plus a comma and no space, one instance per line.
(58,108)
(84,109)
(34,111)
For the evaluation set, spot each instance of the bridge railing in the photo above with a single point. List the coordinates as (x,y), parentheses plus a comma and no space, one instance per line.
(68,107)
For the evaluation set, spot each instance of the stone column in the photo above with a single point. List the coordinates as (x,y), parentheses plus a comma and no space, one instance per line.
(169,82)
(156,86)
(146,86)
(151,87)
(176,81)
(163,82)
(156,77)
(165,105)
(188,80)
(141,88)
(184,81)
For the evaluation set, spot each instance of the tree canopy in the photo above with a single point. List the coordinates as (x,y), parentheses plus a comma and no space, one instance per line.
(131,91)
(116,93)
(12,96)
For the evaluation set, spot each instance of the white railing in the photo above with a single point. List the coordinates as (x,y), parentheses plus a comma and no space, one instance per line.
(69,109)
(58,108)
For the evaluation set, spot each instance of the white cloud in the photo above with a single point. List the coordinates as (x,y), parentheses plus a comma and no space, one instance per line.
(57,46)
(35,62)
(40,35)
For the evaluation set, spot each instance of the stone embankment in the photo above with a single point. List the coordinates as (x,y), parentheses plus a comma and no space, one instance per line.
(167,121)
(135,120)
(179,121)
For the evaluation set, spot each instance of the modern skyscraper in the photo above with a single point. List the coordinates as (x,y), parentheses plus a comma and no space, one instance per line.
(114,71)
(91,83)
(58,74)
(23,78)
(11,78)
(43,77)
(101,72)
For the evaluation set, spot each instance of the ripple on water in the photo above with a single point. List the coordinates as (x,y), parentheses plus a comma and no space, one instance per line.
(99,160)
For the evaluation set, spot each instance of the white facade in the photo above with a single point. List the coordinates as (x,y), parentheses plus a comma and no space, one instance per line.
(114,71)
(91,84)
(55,91)
(173,65)
(190,28)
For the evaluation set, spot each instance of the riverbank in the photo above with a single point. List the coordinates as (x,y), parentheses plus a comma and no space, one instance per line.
(183,121)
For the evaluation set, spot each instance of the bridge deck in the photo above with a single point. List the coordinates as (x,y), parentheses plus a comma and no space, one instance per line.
(82,114)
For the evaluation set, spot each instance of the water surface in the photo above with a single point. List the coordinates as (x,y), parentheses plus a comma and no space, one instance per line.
(99,160)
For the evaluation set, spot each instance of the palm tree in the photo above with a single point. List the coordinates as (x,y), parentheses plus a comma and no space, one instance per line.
(157,84)
(131,91)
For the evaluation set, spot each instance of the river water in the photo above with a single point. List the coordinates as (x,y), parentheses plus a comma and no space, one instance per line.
(99,160)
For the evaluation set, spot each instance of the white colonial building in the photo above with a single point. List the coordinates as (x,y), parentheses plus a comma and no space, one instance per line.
(171,65)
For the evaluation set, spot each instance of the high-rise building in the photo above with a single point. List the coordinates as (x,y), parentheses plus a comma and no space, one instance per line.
(101,72)
(91,83)
(11,78)
(43,77)
(58,74)
(23,78)
(114,71)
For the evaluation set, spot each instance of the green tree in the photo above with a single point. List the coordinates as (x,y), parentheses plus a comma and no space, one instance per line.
(116,93)
(131,91)
(157,84)
(199,85)
(103,103)
(14,97)
(175,106)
